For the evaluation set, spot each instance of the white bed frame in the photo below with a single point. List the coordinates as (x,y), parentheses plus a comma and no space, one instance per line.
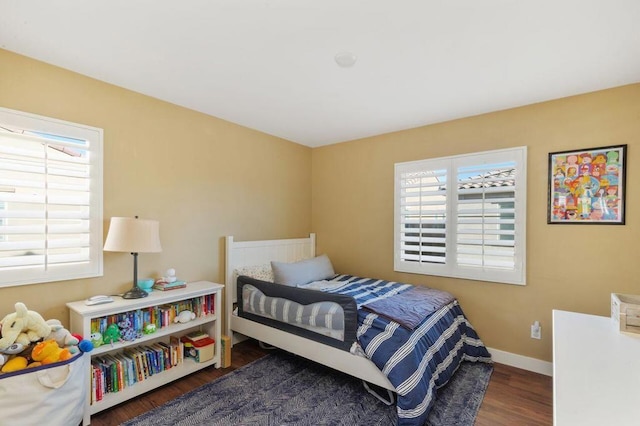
(246,253)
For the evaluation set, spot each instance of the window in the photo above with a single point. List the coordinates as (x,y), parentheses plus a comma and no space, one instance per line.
(463,216)
(50,199)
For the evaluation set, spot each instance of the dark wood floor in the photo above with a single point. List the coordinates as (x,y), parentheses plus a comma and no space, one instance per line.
(514,396)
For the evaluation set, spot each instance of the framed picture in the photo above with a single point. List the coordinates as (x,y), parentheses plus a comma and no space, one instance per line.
(587,186)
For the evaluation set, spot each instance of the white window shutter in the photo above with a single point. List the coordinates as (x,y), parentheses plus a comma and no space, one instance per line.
(50,201)
(474,227)
(423,203)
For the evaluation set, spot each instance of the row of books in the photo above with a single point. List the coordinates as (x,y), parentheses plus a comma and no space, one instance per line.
(161,316)
(115,372)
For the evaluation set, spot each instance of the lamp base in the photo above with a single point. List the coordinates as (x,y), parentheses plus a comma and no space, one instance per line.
(135,293)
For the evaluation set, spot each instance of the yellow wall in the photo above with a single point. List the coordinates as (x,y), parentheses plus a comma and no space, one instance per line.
(201,177)
(204,178)
(570,267)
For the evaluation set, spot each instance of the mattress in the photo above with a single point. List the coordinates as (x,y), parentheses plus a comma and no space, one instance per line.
(417,361)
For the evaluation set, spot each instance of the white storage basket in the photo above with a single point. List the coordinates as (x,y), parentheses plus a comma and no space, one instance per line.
(52,394)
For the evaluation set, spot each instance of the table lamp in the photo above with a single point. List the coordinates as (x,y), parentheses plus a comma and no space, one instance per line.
(133,235)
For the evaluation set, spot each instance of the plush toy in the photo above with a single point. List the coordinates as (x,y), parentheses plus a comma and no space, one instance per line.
(5,355)
(62,336)
(96,339)
(150,328)
(171,276)
(111,334)
(127,332)
(15,364)
(48,352)
(184,316)
(23,326)
(85,346)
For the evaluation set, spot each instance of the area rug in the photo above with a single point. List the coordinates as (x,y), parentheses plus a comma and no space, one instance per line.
(283,389)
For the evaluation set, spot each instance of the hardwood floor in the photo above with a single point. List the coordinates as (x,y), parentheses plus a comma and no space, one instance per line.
(514,396)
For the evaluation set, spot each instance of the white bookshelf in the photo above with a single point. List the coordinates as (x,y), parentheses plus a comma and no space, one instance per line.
(80,323)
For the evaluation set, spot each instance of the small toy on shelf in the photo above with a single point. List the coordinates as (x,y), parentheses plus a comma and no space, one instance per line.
(96,339)
(111,334)
(150,328)
(171,276)
(127,332)
(184,316)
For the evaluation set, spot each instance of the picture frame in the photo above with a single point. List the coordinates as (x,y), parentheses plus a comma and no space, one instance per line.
(587,186)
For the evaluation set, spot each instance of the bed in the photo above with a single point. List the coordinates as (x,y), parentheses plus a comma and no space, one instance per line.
(410,363)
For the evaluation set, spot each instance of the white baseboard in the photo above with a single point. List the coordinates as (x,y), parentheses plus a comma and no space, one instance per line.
(521,361)
(502,357)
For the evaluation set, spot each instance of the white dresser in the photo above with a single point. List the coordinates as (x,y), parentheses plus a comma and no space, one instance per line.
(596,372)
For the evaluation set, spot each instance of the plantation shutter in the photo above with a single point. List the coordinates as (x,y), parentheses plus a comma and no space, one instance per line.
(49,227)
(485,216)
(463,216)
(423,228)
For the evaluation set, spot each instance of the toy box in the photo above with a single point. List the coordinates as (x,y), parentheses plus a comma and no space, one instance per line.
(52,394)
(202,349)
(625,312)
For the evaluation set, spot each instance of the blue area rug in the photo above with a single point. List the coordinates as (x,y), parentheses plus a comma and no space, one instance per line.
(283,389)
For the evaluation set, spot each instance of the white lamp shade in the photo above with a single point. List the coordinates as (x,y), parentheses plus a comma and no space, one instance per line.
(133,235)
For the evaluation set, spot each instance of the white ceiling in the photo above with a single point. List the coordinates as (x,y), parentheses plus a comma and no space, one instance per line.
(269,64)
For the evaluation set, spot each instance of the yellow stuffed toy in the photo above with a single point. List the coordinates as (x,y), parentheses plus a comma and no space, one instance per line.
(14,364)
(48,352)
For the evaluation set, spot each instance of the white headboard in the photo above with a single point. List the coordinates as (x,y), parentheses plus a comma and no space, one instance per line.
(247,253)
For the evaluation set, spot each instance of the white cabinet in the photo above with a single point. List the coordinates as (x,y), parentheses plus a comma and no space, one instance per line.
(596,372)
(82,317)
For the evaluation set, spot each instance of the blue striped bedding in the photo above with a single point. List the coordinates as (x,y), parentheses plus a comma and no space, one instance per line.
(418,361)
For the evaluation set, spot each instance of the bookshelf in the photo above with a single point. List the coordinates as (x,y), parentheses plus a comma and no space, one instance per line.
(85,319)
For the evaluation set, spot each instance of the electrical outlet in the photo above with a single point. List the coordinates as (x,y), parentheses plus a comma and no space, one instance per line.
(536,330)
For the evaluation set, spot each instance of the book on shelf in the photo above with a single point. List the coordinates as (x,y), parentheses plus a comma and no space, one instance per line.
(177,349)
(163,285)
(169,288)
(194,336)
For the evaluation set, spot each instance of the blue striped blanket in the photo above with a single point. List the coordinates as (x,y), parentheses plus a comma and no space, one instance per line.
(419,361)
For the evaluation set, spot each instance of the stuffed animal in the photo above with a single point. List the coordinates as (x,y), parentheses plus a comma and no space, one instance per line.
(62,336)
(127,332)
(48,352)
(171,276)
(111,334)
(23,326)
(96,339)
(15,364)
(184,316)
(85,346)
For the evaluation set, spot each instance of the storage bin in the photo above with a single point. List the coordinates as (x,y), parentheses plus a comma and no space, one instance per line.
(53,394)
(625,312)
(202,350)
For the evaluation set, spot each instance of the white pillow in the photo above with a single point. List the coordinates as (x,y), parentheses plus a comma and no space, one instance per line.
(261,272)
(303,272)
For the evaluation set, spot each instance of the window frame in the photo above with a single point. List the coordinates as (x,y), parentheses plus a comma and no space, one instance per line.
(94,267)
(450,267)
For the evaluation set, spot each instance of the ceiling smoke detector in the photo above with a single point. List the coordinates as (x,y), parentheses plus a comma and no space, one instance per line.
(346,59)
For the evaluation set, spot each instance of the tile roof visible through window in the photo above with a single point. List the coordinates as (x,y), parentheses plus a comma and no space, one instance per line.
(494,179)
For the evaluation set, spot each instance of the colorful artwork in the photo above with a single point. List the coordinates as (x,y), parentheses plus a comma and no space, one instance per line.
(587,186)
